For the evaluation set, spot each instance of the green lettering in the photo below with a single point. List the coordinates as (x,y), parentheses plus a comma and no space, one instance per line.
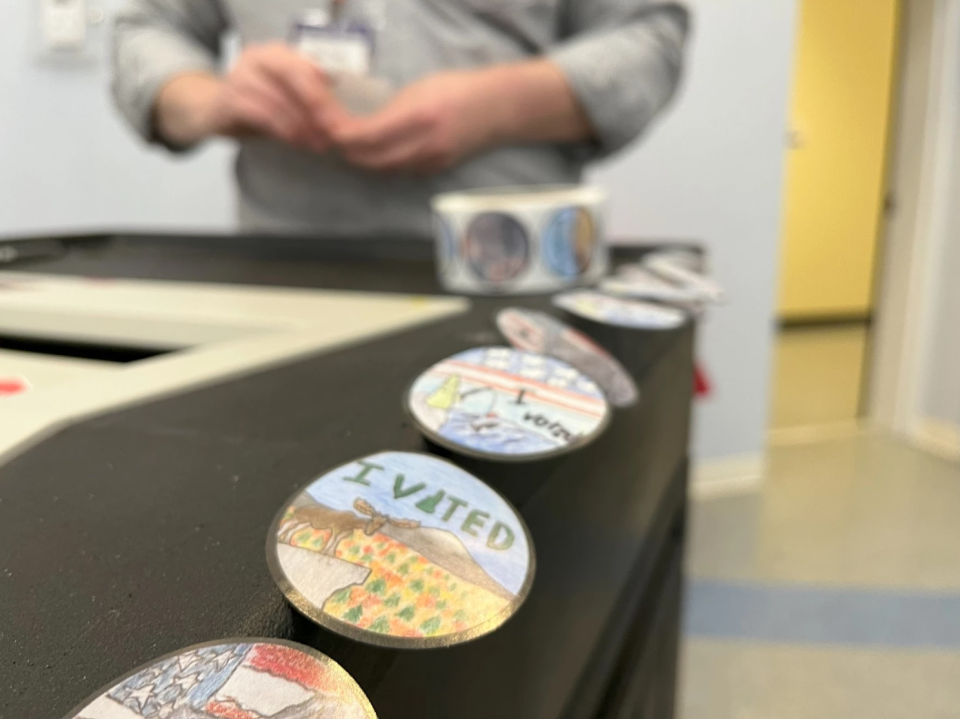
(476,518)
(399,492)
(455,504)
(507,540)
(429,504)
(362,477)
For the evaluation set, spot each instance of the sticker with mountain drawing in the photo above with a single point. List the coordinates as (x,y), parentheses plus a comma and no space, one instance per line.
(239,679)
(502,403)
(402,550)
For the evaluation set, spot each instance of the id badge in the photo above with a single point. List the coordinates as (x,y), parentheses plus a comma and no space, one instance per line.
(337,46)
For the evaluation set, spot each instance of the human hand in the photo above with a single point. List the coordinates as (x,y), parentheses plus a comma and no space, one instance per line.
(429,126)
(272,91)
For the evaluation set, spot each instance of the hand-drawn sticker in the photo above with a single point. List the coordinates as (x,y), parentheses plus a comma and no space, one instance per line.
(402,550)
(505,404)
(497,247)
(637,282)
(617,311)
(671,268)
(237,678)
(533,331)
(569,240)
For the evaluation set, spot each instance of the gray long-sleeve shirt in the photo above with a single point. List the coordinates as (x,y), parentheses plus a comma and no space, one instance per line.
(621,57)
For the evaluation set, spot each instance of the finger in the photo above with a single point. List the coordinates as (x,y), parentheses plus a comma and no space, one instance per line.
(399,118)
(255,113)
(302,80)
(260,90)
(373,148)
(404,155)
(307,86)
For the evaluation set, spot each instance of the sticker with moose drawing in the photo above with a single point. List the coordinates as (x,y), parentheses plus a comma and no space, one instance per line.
(506,404)
(402,550)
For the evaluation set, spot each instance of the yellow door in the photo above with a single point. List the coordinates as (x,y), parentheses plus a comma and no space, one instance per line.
(842,99)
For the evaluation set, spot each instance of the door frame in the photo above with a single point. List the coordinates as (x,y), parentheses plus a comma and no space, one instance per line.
(914,239)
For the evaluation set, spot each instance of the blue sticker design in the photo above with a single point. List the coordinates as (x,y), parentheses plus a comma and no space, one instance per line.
(569,241)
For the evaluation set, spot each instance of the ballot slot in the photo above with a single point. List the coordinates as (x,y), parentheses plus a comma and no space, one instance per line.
(79,350)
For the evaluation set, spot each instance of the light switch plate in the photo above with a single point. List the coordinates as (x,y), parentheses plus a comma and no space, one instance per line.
(63,25)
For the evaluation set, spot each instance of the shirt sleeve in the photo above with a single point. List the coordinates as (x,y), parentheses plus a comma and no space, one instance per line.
(623,60)
(156,40)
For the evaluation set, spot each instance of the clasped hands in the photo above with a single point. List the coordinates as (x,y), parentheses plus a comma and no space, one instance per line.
(273,91)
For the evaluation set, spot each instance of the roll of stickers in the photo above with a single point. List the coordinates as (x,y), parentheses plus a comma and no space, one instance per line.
(520,240)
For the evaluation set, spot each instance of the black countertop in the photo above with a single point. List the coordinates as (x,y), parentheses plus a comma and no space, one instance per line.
(141,531)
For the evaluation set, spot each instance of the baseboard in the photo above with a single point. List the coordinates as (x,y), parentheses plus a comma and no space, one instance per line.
(812,434)
(740,474)
(937,437)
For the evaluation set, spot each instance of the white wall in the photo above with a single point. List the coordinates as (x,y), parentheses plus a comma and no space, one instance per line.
(67,163)
(714,172)
(711,172)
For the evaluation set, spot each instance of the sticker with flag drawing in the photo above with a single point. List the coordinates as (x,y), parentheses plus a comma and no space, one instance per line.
(246,679)
(534,331)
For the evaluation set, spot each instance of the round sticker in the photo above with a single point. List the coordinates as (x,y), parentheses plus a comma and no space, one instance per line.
(241,679)
(498,402)
(687,258)
(639,283)
(673,270)
(497,247)
(534,331)
(569,241)
(616,311)
(402,550)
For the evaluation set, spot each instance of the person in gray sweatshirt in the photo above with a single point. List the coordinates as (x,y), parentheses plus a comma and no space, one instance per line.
(480,94)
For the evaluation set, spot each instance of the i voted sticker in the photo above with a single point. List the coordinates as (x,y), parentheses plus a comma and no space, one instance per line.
(502,403)
(620,312)
(534,331)
(639,283)
(671,268)
(233,679)
(402,550)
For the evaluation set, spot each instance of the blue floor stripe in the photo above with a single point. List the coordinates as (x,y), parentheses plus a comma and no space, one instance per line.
(813,615)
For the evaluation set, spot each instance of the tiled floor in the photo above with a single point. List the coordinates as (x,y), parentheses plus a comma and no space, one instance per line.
(817,375)
(832,594)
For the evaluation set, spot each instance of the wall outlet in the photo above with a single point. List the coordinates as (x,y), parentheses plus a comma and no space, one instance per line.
(63,25)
